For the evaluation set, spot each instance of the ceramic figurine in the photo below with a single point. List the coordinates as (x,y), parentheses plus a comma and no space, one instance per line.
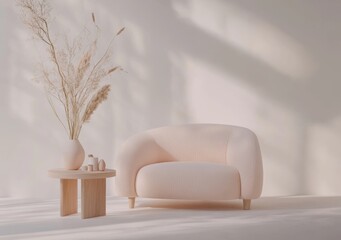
(90,157)
(84,168)
(90,168)
(101,165)
(95,163)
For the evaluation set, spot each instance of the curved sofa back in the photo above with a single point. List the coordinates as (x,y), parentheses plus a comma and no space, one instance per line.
(195,142)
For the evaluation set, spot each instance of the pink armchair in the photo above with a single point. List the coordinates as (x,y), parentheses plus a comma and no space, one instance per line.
(194,162)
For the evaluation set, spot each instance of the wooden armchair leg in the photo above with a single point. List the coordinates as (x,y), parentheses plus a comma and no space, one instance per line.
(246,204)
(131,202)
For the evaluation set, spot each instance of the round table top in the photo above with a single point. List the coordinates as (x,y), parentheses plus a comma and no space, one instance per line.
(79,174)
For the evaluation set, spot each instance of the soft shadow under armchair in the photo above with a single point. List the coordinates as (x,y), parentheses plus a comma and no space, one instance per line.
(194,162)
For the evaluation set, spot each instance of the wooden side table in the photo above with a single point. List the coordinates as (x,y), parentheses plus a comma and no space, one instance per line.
(93,187)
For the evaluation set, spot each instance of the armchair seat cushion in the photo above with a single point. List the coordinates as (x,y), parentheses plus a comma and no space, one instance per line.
(188,180)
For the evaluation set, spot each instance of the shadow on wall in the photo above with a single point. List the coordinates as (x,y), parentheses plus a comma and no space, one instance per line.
(241,63)
(256,64)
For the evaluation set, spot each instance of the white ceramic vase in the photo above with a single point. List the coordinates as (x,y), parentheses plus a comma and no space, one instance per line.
(95,163)
(73,155)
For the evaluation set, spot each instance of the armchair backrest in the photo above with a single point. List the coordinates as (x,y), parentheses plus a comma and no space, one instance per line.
(194,142)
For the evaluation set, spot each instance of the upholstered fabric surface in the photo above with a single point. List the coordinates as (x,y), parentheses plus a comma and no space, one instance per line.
(188,180)
(225,145)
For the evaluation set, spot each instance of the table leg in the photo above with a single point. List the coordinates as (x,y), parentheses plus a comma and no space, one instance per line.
(68,196)
(93,199)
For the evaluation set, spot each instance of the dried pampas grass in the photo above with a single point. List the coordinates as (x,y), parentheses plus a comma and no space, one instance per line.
(99,97)
(71,77)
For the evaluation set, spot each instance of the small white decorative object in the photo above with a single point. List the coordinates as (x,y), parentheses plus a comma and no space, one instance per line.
(90,168)
(84,168)
(90,157)
(101,165)
(95,163)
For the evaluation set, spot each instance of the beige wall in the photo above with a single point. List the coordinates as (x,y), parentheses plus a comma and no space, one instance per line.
(272,66)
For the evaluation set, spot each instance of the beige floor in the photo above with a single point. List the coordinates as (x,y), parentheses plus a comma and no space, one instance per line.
(276,218)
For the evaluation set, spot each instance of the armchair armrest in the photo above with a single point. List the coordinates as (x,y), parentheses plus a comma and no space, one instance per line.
(137,152)
(243,152)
